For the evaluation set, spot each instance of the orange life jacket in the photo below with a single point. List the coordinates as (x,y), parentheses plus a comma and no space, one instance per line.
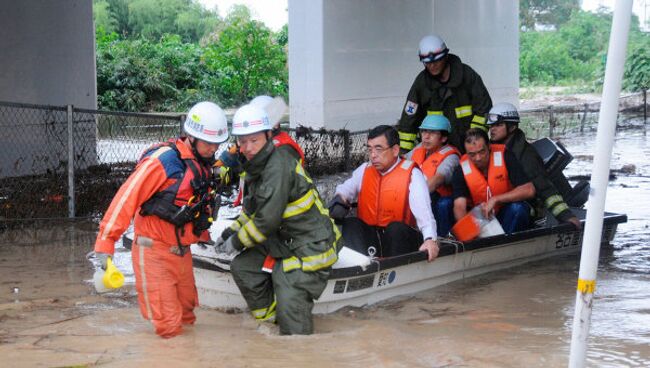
(193,184)
(429,165)
(385,198)
(283,138)
(497,181)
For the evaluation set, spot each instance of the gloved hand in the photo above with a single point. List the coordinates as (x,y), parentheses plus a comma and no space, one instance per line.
(338,208)
(103,259)
(225,234)
(226,247)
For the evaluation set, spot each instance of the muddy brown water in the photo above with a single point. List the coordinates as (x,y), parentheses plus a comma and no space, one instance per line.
(50,315)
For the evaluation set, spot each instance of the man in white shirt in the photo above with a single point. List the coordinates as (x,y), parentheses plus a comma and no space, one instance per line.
(394,211)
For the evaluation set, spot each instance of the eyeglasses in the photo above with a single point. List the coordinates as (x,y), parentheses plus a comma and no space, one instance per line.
(376,149)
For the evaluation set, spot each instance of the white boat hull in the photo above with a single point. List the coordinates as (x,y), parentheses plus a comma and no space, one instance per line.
(409,273)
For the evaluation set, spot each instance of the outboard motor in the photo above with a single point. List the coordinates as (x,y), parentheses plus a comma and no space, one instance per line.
(556,158)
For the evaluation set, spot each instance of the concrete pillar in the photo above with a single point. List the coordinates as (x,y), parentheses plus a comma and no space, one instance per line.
(351,63)
(47,58)
(48,53)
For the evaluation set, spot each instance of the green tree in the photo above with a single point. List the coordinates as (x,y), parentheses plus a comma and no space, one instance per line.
(544,59)
(138,75)
(244,59)
(586,34)
(154,18)
(282,37)
(547,12)
(103,17)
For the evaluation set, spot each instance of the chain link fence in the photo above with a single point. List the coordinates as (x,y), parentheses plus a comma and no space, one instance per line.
(38,142)
(560,121)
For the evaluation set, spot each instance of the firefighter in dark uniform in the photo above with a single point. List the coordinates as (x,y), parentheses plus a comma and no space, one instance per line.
(446,87)
(503,120)
(282,216)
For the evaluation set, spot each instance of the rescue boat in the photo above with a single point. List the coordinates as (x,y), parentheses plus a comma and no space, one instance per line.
(355,281)
(358,280)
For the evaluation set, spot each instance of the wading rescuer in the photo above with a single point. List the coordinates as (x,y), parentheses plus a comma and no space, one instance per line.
(437,160)
(503,120)
(490,176)
(393,202)
(284,217)
(275,109)
(446,87)
(172,199)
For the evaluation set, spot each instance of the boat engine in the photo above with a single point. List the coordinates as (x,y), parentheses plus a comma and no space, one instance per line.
(556,158)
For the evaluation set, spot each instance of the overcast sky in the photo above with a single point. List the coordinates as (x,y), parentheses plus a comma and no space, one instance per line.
(272,12)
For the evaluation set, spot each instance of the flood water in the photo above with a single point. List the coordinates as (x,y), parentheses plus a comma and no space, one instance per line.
(521,317)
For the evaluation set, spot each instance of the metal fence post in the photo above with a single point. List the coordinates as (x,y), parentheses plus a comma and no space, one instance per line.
(645,106)
(584,118)
(551,121)
(181,120)
(346,149)
(71,199)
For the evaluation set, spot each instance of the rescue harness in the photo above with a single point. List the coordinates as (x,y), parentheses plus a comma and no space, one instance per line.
(177,210)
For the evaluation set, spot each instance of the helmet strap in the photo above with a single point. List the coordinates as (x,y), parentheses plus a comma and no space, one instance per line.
(201,159)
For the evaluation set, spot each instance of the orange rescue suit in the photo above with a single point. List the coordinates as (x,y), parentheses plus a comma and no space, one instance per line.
(385,198)
(164,281)
(498,181)
(429,165)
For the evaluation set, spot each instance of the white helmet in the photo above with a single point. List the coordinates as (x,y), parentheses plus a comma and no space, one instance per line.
(275,107)
(206,121)
(432,48)
(250,119)
(503,113)
(261,101)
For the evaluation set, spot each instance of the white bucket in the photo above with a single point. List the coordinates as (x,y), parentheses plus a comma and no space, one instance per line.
(98,280)
(351,258)
(489,227)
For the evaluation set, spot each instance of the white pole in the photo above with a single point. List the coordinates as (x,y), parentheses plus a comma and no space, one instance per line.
(599,180)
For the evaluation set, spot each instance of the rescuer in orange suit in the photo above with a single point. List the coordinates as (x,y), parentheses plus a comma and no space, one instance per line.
(169,194)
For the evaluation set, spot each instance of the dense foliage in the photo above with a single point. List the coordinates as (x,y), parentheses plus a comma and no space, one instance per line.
(165,55)
(575,53)
(239,59)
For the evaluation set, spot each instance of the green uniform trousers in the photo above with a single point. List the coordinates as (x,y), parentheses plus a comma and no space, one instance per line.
(289,296)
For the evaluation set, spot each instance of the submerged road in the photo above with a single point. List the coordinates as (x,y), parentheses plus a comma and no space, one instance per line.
(50,315)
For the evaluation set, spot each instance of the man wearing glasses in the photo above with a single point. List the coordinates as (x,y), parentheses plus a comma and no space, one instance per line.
(503,120)
(446,87)
(491,176)
(393,202)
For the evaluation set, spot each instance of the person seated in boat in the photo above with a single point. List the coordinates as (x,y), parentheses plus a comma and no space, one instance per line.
(503,121)
(393,202)
(491,176)
(282,217)
(437,159)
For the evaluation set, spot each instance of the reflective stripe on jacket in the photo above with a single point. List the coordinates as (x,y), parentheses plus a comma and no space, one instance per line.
(281,203)
(429,165)
(463,99)
(155,172)
(385,198)
(497,181)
